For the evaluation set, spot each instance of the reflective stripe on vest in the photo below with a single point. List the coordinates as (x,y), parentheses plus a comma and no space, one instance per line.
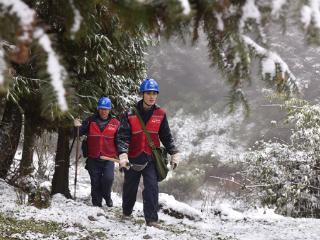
(139,142)
(102,143)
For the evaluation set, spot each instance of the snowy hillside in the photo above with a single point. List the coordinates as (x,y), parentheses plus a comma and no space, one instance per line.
(208,133)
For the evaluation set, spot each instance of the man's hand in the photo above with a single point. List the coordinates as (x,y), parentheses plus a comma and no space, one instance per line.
(124,161)
(77,122)
(175,159)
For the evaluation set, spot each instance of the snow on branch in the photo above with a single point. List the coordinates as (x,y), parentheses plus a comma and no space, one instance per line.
(270,61)
(186,6)
(26,16)
(310,14)
(54,68)
(220,23)
(77,20)
(306,12)
(249,11)
(276,7)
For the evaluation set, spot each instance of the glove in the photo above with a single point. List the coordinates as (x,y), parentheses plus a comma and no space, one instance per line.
(77,122)
(124,161)
(175,159)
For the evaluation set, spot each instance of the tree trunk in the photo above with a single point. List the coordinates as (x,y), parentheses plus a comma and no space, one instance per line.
(10,129)
(60,181)
(26,166)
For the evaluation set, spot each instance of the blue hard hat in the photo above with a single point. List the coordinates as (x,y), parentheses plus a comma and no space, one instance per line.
(104,102)
(149,85)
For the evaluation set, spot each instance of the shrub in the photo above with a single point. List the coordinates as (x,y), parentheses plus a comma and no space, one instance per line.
(287,174)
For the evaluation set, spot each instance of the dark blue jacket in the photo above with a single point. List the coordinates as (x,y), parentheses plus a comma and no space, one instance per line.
(124,131)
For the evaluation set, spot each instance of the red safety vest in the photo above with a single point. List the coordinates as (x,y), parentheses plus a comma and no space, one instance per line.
(102,143)
(139,142)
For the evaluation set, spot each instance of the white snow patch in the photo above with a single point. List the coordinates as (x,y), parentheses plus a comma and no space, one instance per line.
(46,185)
(276,7)
(227,212)
(186,6)
(265,213)
(170,202)
(56,71)
(249,11)
(220,24)
(310,13)
(314,4)
(25,14)
(306,12)
(77,20)
(268,67)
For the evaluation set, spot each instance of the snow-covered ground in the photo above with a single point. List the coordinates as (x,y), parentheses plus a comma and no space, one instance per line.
(220,221)
(217,220)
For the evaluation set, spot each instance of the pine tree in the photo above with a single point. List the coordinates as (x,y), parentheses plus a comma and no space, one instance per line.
(236,32)
(105,60)
(108,62)
(69,53)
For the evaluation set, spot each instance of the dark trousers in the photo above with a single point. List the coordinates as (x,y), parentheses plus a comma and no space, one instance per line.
(150,192)
(101,176)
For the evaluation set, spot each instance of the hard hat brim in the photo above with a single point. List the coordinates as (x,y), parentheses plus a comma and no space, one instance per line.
(150,90)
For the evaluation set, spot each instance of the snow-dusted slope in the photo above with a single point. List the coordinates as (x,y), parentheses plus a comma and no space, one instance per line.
(207,133)
(82,221)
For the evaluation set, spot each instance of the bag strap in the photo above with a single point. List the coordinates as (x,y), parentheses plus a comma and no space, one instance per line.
(151,143)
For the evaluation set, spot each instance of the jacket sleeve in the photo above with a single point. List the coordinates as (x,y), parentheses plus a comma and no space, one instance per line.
(123,135)
(166,136)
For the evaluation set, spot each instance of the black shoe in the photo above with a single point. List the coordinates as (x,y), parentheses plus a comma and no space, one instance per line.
(109,202)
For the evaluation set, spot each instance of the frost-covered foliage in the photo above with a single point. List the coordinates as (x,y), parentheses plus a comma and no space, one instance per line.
(274,69)
(310,19)
(226,24)
(110,63)
(80,52)
(288,173)
(29,32)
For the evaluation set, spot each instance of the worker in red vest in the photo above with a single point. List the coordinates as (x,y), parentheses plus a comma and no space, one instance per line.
(100,129)
(133,147)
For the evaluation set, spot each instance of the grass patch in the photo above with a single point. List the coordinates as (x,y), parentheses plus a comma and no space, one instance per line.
(11,229)
(10,226)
